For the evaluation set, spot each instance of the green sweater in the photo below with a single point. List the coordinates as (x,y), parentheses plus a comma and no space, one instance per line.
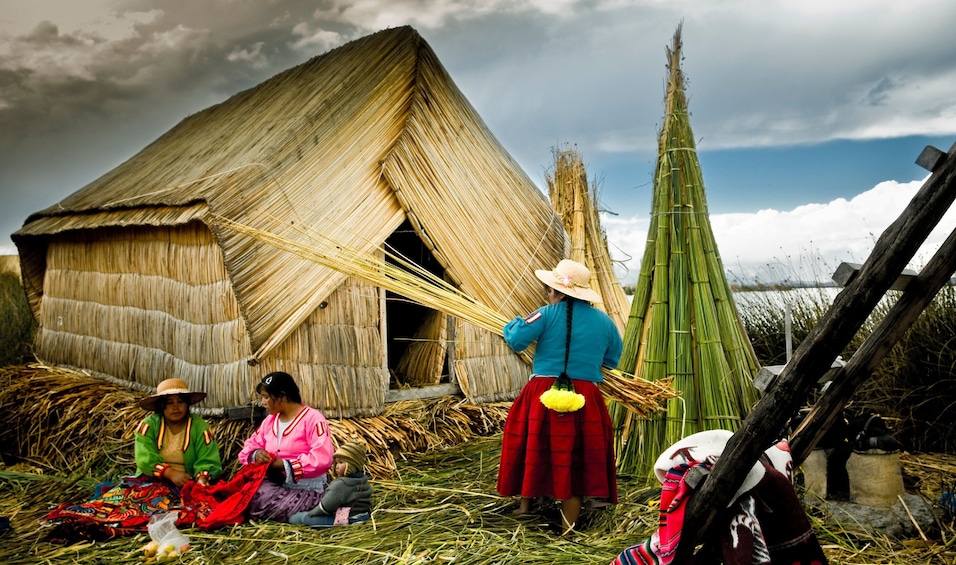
(200,454)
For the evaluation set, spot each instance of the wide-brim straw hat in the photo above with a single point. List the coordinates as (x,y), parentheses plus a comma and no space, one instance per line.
(711,443)
(571,278)
(171,387)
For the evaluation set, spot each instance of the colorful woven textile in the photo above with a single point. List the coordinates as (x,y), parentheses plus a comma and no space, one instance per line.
(116,509)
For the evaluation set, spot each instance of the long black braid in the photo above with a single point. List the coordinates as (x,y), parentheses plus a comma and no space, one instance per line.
(567,343)
(564,380)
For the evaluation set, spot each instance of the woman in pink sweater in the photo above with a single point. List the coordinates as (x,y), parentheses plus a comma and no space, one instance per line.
(294,440)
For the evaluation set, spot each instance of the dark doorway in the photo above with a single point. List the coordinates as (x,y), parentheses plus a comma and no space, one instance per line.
(403,317)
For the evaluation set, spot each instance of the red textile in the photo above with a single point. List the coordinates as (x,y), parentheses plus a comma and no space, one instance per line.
(116,510)
(661,546)
(561,455)
(224,503)
(767,525)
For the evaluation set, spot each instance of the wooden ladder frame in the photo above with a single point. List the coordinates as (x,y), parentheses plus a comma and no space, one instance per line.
(827,339)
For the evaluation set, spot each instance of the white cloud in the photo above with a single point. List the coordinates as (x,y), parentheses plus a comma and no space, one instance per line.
(312,39)
(427,14)
(255,57)
(804,244)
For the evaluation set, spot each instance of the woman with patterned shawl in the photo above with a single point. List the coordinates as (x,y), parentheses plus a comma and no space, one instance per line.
(172,447)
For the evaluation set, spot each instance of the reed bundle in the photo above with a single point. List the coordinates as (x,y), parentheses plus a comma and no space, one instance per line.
(406,278)
(575,201)
(423,359)
(683,323)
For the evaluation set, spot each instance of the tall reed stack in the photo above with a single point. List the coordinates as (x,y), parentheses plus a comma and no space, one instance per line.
(683,323)
(575,201)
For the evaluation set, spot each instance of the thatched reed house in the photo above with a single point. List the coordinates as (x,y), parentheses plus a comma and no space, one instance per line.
(135,277)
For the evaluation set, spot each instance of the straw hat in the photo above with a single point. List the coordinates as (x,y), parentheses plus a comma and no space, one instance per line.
(571,278)
(171,387)
(353,453)
(711,443)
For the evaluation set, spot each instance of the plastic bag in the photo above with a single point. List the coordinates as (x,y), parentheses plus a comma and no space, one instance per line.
(167,541)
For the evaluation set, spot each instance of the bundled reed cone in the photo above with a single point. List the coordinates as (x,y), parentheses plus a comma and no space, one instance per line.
(574,199)
(408,279)
(683,323)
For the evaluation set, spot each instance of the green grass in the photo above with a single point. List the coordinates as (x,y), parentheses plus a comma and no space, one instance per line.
(17,326)
(913,386)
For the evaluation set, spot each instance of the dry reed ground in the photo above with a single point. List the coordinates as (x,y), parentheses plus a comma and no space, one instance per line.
(434,501)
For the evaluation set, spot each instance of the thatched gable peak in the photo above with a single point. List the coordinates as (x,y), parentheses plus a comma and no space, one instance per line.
(351,144)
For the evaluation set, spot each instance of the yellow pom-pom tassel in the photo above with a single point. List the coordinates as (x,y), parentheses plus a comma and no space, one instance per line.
(561,400)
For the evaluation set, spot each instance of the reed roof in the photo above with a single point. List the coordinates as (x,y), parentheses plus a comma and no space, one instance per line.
(350,143)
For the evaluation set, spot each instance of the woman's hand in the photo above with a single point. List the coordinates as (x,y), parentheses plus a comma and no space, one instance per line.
(261,456)
(203,480)
(175,476)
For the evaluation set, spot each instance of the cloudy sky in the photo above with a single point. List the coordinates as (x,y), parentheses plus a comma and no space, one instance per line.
(808,115)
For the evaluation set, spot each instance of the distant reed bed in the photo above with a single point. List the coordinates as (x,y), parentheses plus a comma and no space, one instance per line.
(17,326)
(913,386)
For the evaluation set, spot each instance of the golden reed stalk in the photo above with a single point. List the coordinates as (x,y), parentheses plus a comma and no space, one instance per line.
(411,281)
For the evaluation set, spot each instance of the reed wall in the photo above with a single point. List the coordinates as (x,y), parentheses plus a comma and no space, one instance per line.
(486,368)
(139,305)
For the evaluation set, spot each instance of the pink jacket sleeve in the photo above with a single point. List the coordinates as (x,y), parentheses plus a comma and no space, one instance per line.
(315,453)
(257,440)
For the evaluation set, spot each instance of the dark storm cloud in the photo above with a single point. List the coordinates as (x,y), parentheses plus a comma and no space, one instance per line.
(91,82)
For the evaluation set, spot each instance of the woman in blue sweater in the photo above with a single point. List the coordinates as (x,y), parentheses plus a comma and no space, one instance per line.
(565,452)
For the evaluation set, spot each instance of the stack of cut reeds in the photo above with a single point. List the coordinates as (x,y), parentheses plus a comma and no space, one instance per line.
(575,200)
(683,323)
(422,362)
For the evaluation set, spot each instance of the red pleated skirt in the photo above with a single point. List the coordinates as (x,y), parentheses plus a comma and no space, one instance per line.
(561,455)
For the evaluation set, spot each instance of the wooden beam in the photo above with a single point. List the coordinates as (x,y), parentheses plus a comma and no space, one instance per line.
(827,339)
(451,342)
(846,271)
(245,412)
(877,345)
(930,158)
(767,375)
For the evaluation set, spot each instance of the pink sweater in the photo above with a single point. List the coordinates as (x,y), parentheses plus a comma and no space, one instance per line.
(305,443)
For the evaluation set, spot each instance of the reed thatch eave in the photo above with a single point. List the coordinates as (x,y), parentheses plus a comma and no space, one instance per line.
(33,238)
(482,217)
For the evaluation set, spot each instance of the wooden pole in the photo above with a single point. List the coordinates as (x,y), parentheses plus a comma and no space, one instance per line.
(919,293)
(826,340)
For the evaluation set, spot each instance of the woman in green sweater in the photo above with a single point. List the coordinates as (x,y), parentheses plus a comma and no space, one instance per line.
(172,444)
